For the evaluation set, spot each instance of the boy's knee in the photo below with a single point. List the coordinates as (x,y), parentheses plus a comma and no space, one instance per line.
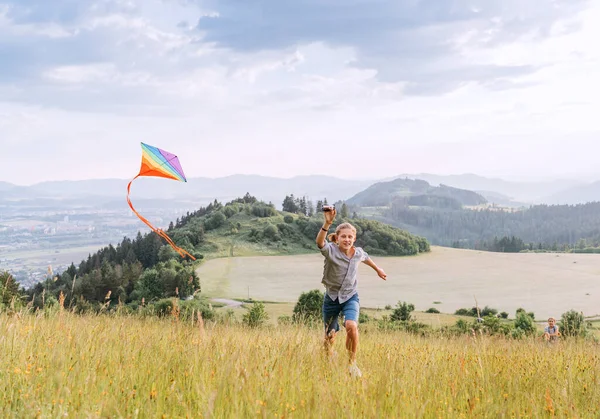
(351,326)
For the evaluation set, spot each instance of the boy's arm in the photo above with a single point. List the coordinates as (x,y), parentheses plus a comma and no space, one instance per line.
(380,272)
(329,217)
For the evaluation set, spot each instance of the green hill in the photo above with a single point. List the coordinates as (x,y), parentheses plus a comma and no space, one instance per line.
(146,270)
(250,227)
(415,192)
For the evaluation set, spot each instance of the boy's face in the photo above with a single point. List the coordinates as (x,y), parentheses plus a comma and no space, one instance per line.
(346,238)
(551,322)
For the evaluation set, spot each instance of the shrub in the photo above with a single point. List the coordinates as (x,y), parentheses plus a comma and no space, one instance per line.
(288,219)
(215,221)
(486,311)
(271,232)
(525,323)
(309,306)
(572,323)
(432,310)
(256,316)
(190,308)
(402,312)
(503,315)
(363,318)
(284,320)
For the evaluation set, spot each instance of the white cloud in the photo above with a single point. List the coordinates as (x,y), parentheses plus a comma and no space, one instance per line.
(134,72)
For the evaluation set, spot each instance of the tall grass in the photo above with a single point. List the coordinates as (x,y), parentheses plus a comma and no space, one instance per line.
(105,366)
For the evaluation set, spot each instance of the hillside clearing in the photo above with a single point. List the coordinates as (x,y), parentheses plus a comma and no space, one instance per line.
(546,283)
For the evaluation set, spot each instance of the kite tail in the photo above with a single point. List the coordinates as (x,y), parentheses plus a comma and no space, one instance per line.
(158,231)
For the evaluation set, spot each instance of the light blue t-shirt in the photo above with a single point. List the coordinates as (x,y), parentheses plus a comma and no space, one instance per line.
(340,272)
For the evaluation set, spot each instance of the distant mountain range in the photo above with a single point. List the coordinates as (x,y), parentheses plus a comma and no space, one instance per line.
(199,191)
(579,194)
(415,192)
(527,192)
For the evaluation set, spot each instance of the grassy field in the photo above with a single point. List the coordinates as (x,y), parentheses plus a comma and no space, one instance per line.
(545,283)
(124,367)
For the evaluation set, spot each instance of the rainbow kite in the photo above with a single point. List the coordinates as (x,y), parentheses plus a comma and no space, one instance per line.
(159,163)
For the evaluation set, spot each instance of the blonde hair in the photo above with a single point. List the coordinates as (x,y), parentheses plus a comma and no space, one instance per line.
(552,318)
(333,236)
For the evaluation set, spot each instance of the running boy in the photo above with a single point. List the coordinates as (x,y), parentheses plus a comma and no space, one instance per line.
(342,259)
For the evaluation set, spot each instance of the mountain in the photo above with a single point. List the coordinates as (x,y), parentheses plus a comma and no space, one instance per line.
(415,192)
(5,186)
(196,191)
(529,192)
(576,195)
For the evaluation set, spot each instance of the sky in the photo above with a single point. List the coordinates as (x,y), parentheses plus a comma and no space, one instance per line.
(349,88)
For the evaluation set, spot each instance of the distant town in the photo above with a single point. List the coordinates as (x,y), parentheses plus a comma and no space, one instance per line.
(37,243)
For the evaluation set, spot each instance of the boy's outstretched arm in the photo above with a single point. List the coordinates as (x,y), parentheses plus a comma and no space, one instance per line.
(329,217)
(380,272)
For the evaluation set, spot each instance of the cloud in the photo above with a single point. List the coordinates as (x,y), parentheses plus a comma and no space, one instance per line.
(418,43)
(237,85)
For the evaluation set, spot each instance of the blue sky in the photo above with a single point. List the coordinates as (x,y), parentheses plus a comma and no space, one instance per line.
(354,89)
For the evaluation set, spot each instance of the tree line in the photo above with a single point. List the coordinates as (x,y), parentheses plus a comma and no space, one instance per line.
(539,227)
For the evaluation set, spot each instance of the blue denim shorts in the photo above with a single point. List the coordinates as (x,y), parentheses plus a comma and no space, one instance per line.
(333,308)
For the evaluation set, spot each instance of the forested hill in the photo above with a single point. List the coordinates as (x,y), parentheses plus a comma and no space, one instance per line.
(415,192)
(143,270)
(552,227)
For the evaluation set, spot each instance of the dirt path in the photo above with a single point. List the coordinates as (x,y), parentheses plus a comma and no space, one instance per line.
(229,303)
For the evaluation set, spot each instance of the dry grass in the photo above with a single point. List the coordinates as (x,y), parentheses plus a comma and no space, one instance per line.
(129,367)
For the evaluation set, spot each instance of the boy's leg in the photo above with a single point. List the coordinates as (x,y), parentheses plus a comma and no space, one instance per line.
(331,311)
(351,309)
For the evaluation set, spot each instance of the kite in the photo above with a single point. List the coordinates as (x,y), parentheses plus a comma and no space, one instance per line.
(159,163)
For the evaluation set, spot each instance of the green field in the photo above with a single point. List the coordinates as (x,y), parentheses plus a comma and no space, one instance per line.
(546,283)
(63,365)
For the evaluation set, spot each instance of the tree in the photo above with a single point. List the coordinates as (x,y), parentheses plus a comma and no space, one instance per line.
(319,207)
(344,211)
(309,306)
(289,204)
(9,289)
(310,208)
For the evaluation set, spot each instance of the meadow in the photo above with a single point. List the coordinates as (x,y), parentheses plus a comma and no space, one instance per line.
(63,365)
(548,284)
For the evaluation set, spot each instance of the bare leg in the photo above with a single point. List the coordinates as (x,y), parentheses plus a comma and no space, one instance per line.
(351,339)
(328,342)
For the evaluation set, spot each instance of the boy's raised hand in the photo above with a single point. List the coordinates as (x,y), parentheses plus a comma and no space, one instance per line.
(329,216)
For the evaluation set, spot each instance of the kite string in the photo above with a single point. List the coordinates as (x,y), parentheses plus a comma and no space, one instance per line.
(158,231)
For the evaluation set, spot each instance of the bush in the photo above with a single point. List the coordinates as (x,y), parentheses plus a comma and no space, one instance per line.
(271,232)
(163,307)
(525,323)
(284,320)
(309,306)
(263,210)
(432,310)
(288,219)
(215,221)
(256,316)
(491,323)
(465,312)
(488,311)
(363,318)
(402,312)
(572,323)
(503,315)
(190,308)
